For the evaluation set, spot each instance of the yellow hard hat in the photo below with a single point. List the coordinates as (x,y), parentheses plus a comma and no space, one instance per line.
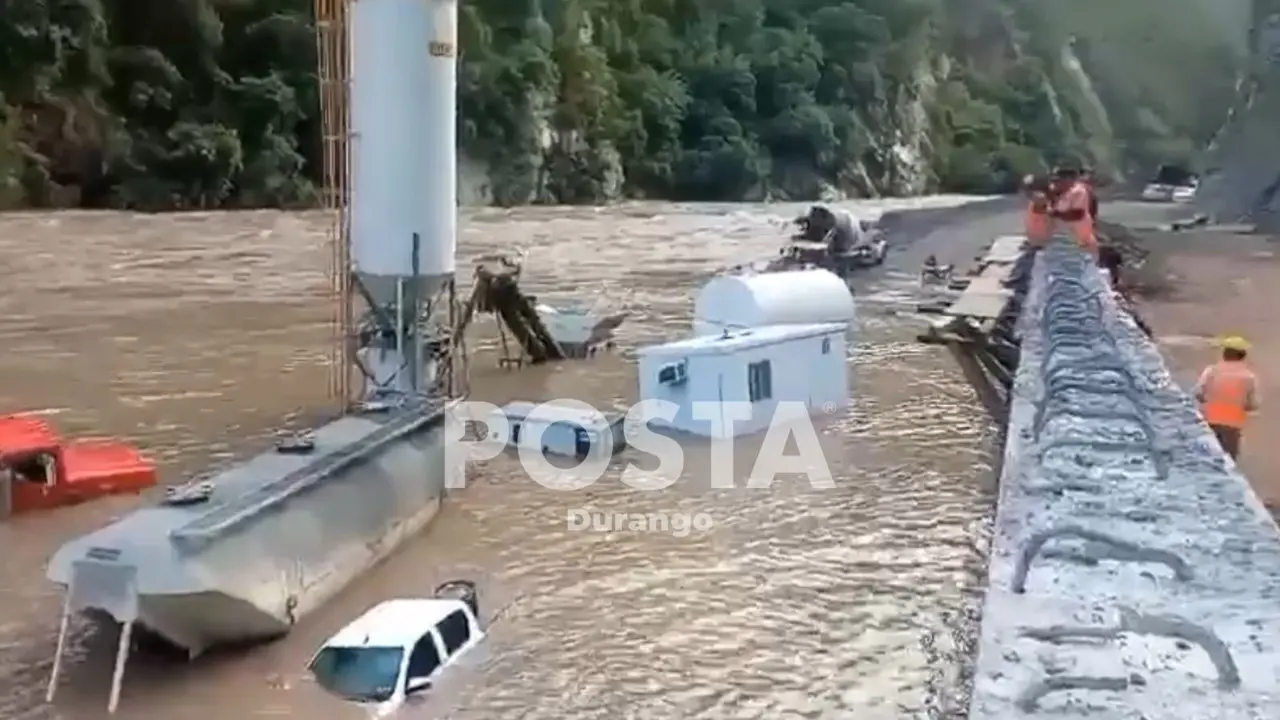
(1234,342)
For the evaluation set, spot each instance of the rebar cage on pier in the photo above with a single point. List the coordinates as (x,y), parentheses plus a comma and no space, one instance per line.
(1119,515)
(335,89)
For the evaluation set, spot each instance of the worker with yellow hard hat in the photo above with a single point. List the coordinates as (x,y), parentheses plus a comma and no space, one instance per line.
(1227,393)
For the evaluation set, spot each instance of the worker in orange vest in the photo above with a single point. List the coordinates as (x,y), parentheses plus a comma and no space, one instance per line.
(1227,393)
(1038,223)
(1092,187)
(1071,206)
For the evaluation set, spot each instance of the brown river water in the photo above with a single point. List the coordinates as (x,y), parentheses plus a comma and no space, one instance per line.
(198,335)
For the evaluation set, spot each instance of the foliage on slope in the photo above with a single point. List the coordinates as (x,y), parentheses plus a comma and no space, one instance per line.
(211,103)
(1165,72)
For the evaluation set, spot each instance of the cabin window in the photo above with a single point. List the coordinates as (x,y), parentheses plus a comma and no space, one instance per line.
(425,658)
(826,346)
(760,381)
(674,374)
(454,631)
(581,442)
(32,468)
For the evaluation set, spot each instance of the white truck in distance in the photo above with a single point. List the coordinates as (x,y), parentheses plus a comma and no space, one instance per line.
(1171,184)
(392,653)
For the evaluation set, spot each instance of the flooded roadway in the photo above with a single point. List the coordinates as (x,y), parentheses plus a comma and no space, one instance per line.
(197,335)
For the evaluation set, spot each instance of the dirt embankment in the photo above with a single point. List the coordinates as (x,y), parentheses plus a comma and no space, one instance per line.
(1195,286)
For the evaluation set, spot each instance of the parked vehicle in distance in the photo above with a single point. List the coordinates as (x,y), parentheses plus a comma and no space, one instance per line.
(392,653)
(1171,184)
(39,470)
(1185,193)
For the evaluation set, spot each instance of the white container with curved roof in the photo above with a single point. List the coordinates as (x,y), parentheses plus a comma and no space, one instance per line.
(796,297)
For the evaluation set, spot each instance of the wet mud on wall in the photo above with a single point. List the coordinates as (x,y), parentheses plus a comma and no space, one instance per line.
(1133,571)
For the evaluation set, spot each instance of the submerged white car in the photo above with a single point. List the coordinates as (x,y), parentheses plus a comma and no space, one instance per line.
(394,651)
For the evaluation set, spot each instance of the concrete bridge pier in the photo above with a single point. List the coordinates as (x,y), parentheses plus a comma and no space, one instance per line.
(1133,572)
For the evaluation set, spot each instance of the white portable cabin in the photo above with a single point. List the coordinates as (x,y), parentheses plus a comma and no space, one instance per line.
(762,366)
(789,297)
(558,429)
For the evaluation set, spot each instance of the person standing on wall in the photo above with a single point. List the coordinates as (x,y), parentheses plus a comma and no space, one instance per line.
(1071,206)
(1038,223)
(1227,392)
(1092,187)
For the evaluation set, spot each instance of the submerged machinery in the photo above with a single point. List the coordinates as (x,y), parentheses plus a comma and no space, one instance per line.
(833,240)
(39,470)
(243,553)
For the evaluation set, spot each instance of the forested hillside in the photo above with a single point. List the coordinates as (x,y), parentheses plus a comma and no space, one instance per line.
(160,104)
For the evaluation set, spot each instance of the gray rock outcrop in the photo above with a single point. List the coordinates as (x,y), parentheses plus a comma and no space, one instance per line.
(1242,175)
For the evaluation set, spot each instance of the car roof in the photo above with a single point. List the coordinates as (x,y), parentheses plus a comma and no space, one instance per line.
(395,623)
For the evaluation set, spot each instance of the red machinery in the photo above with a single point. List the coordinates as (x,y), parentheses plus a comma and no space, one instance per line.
(39,470)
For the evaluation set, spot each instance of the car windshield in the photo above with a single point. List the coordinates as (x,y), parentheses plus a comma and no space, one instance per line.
(1173,175)
(364,674)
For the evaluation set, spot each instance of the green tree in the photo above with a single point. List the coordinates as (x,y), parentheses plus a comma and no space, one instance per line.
(160,104)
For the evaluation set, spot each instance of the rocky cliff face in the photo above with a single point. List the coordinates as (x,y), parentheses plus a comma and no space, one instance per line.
(1242,169)
(206,104)
(993,89)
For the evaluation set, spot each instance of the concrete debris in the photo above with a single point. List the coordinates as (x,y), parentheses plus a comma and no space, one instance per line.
(1133,572)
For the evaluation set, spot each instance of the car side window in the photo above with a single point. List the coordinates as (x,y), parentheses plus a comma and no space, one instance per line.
(425,658)
(455,631)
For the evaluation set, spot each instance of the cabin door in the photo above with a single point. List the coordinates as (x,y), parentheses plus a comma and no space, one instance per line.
(6,491)
(31,481)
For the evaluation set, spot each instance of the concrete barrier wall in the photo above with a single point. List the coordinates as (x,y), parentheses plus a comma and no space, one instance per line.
(1133,572)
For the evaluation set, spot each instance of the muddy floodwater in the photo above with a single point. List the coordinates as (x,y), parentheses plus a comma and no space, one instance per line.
(198,335)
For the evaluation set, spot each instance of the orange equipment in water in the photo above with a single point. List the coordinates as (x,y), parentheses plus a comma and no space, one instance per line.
(40,471)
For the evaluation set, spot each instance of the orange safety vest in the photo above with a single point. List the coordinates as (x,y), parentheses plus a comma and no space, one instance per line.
(1226,394)
(1077,198)
(1039,225)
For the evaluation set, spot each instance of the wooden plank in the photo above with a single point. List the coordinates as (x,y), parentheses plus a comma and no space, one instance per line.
(990,280)
(1005,249)
(985,306)
(985,286)
(984,296)
(997,272)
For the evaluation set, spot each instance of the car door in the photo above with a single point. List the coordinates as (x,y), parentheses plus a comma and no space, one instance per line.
(425,660)
(455,633)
